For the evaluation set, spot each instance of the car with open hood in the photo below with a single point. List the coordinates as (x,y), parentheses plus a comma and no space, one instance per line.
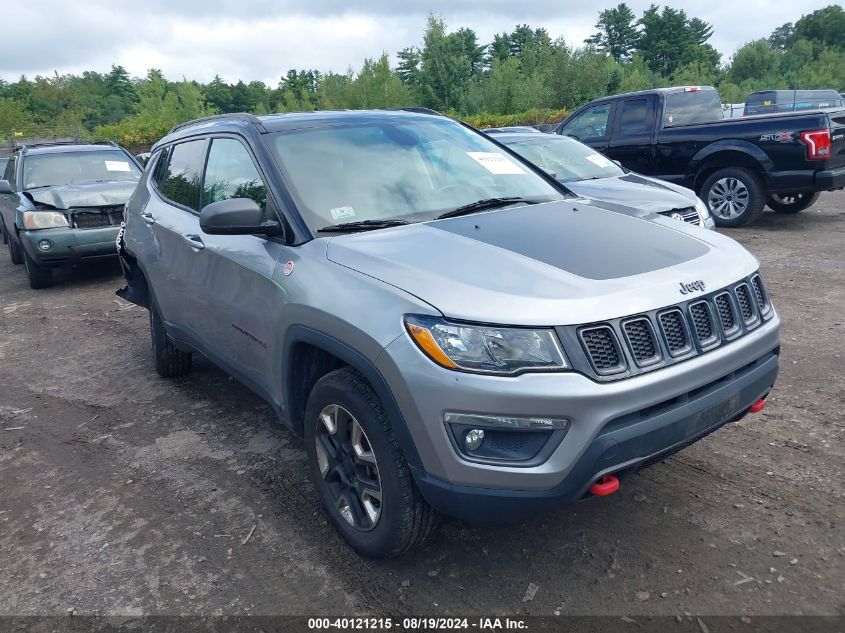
(61,204)
(448,328)
(606,183)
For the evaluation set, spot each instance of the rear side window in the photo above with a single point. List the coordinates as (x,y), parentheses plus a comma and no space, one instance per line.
(231,173)
(181,173)
(637,117)
(689,108)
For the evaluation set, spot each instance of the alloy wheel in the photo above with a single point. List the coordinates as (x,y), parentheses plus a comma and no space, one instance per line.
(348,467)
(728,198)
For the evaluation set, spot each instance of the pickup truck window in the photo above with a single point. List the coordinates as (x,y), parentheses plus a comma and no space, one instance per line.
(637,117)
(591,123)
(688,108)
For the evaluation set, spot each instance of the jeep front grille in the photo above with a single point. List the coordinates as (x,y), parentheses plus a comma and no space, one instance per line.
(602,349)
(675,332)
(743,296)
(640,343)
(726,312)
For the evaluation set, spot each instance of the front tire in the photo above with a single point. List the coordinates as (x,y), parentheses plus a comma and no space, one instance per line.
(169,360)
(39,277)
(14,250)
(792,202)
(359,470)
(734,196)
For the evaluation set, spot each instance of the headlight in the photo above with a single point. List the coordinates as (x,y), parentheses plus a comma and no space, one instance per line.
(44,220)
(485,348)
(702,209)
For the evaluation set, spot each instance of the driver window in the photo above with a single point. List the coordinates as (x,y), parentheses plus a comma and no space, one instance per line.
(230,173)
(591,123)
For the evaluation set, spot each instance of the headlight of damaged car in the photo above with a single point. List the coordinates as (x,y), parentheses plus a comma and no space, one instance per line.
(44,220)
(486,348)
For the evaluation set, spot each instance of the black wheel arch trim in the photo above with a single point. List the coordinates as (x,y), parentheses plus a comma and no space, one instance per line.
(304,334)
(754,153)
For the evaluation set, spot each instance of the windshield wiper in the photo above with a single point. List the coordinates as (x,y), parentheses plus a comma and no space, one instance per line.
(363,225)
(481,205)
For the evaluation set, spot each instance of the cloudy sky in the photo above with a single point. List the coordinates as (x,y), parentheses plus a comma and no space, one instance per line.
(261,39)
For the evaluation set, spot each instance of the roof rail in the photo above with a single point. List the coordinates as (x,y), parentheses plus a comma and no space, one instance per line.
(24,146)
(236,116)
(418,109)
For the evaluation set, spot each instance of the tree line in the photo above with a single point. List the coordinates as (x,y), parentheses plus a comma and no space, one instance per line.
(522,76)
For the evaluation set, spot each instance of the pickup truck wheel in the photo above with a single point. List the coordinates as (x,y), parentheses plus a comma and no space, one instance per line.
(169,360)
(14,251)
(734,196)
(359,470)
(792,202)
(39,277)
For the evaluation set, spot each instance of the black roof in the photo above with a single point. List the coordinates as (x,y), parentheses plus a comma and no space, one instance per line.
(658,91)
(290,120)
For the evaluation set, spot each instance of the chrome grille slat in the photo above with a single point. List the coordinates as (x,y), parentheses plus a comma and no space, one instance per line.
(724,307)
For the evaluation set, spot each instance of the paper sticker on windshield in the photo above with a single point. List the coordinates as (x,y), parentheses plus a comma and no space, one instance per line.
(342,213)
(496,163)
(598,160)
(117,165)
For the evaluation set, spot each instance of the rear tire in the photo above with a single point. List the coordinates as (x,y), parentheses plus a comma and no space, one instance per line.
(792,202)
(368,494)
(39,277)
(14,250)
(734,196)
(170,361)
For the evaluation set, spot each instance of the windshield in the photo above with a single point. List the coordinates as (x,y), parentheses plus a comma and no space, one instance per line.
(76,168)
(690,107)
(410,170)
(565,158)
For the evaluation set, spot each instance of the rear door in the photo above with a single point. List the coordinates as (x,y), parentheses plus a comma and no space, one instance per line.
(632,142)
(592,125)
(237,299)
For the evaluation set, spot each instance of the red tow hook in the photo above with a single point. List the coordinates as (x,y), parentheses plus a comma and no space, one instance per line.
(608,484)
(758,406)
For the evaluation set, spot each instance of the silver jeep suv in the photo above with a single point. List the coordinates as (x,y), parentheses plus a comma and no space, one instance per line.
(449,328)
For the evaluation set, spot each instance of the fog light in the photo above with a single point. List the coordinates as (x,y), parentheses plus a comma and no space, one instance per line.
(473,439)
(45,245)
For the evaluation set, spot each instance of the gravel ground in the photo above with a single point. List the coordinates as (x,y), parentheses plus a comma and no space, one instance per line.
(126,494)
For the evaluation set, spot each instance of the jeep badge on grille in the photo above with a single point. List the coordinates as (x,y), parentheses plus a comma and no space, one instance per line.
(692,286)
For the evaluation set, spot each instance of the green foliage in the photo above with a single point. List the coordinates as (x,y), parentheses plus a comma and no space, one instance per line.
(617,32)
(522,71)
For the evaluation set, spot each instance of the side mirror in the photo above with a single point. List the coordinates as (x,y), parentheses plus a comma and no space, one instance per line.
(5,187)
(236,216)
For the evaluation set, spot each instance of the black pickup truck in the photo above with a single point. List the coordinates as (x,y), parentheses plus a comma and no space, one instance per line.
(736,166)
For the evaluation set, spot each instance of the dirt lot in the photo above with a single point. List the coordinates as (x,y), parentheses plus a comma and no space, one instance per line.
(124,493)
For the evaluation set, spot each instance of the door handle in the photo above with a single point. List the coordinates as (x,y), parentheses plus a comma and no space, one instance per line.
(148,218)
(194,241)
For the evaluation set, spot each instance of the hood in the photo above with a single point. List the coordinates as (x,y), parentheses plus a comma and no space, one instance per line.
(633,191)
(95,194)
(558,263)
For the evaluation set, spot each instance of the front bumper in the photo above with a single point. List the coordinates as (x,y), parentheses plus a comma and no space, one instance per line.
(70,246)
(615,427)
